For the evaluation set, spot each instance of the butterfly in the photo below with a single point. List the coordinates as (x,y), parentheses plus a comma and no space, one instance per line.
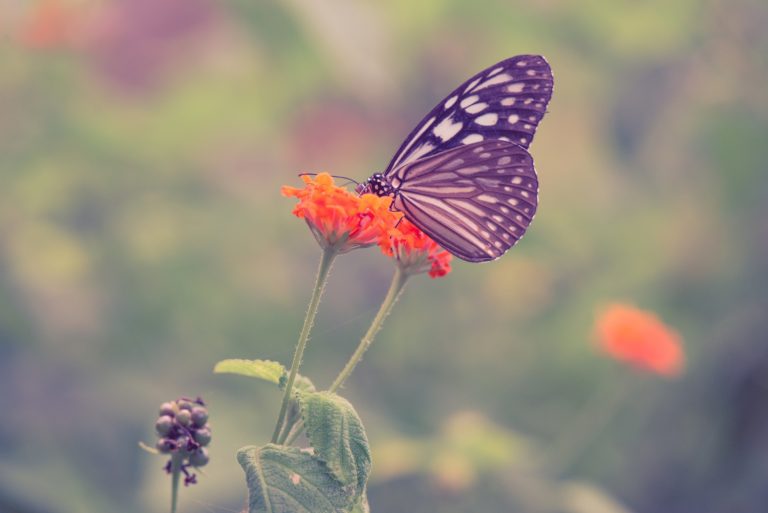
(464,175)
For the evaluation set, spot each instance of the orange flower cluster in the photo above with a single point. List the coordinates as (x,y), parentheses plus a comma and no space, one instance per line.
(639,338)
(415,251)
(338,219)
(342,221)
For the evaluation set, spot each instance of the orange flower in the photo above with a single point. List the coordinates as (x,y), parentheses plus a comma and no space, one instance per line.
(639,338)
(339,220)
(48,25)
(414,251)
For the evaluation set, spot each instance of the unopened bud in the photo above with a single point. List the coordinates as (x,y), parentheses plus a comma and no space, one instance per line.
(199,458)
(168,409)
(199,416)
(184,418)
(203,436)
(164,425)
(165,445)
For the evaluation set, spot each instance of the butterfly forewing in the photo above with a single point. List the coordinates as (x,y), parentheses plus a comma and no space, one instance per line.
(503,102)
(475,200)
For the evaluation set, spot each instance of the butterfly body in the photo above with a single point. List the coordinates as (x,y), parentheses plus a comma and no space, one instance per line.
(464,175)
(376,184)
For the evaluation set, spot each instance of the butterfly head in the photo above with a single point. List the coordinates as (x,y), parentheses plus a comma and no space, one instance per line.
(377,184)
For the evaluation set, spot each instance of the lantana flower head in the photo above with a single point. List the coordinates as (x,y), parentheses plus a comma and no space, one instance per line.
(639,338)
(340,220)
(414,251)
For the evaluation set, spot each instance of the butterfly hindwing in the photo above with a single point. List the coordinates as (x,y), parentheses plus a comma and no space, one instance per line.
(475,200)
(505,102)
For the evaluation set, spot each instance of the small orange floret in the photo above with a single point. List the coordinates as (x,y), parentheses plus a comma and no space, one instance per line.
(414,251)
(338,219)
(639,338)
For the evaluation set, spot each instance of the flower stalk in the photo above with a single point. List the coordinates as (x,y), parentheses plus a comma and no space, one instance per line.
(395,289)
(176,462)
(326,261)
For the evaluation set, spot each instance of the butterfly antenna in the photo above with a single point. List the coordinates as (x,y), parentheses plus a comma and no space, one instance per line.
(338,177)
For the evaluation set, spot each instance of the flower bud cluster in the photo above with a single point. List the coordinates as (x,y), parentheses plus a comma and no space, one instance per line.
(184,433)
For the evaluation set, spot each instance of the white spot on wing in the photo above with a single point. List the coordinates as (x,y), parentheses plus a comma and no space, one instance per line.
(499,79)
(506,159)
(414,139)
(478,107)
(513,118)
(492,73)
(469,100)
(450,102)
(487,198)
(489,119)
(472,138)
(466,205)
(418,152)
(517,180)
(517,87)
(472,85)
(453,164)
(446,129)
(508,101)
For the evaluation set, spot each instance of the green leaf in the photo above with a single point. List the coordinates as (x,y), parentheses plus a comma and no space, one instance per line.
(288,480)
(301,383)
(261,369)
(338,437)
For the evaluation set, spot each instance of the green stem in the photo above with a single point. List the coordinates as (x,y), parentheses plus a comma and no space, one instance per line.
(322,278)
(395,289)
(175,474)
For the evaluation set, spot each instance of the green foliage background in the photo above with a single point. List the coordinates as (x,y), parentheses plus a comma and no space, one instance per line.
(143,238)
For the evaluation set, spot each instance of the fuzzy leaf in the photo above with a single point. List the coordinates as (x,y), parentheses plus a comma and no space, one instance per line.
(338,437)
(261,369)
(288,480)
(301,384)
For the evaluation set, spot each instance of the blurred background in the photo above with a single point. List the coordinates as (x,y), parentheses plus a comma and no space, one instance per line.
(143,238)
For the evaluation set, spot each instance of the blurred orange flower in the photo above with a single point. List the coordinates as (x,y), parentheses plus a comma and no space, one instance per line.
(340,220)
(639,338)
(414,251)
(47,25)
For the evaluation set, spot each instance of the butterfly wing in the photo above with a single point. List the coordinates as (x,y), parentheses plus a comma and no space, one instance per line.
(505,101)
(475,200)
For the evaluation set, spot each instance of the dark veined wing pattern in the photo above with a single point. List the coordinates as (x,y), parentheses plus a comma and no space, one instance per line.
(475,200)
(504,102)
